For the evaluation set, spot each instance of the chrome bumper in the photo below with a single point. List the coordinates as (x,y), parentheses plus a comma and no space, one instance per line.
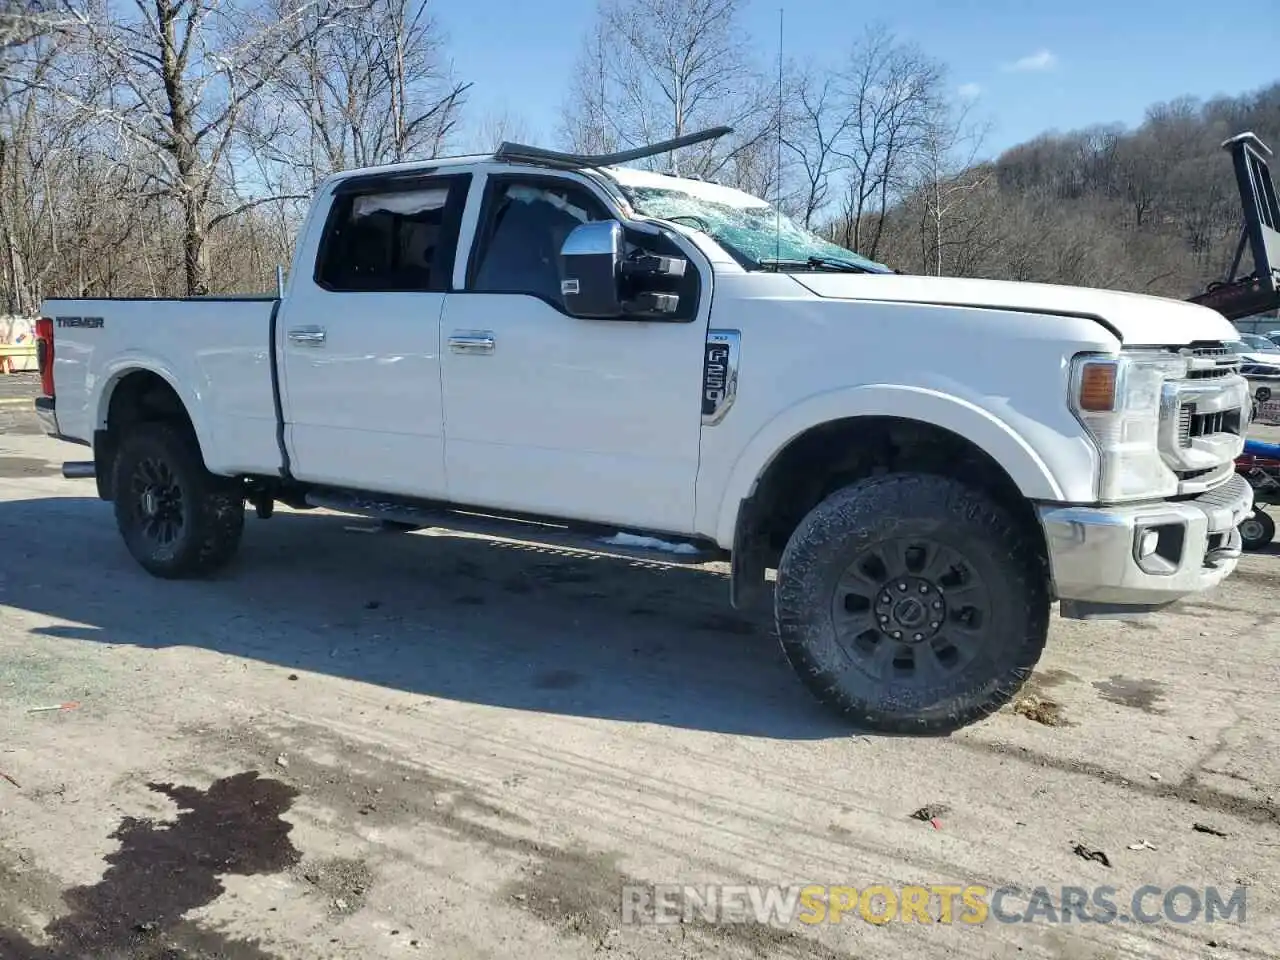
(1121,560)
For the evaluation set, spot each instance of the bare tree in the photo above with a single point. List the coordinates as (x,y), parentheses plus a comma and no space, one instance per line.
(588,123)
(815,123)
(892,92)
(144,144)
(24,21)
(497,126)
(1137,173)
(946,179)
(361,90)
(173,79)
(652,69)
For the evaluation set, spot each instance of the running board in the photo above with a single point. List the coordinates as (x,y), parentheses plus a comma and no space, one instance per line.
(595,539)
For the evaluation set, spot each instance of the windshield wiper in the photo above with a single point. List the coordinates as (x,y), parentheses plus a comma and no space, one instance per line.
(820,263)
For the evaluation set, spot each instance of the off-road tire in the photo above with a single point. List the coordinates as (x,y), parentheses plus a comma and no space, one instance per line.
(1257,530)
(869,516)
(211,508)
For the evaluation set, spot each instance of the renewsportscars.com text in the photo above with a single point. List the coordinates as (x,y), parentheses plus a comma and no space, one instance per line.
(933,903)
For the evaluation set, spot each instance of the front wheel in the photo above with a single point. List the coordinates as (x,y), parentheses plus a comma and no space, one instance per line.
(176,518)
(911,603)
(1257,530)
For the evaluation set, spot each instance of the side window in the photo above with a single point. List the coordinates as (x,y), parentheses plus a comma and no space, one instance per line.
(526,223)
(391,239)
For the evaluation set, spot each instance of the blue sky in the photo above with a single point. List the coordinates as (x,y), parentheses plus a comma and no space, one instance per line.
(1034,65)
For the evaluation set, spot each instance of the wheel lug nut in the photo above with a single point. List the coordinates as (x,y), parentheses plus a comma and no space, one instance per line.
(937,604)
(934,624)
(884,618)
(886,598)
(923,588)
(919,636)
(902,586)
(897,634)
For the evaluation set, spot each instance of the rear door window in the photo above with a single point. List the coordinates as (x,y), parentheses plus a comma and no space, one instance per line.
(392,239)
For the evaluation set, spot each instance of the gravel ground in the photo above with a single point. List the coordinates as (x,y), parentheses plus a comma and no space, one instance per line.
(369,745)
(19,386)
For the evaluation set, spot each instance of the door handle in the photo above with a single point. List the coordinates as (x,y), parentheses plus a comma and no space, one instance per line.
(471,342)
(307,336)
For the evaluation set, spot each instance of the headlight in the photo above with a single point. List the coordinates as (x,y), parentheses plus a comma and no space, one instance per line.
(1118,401)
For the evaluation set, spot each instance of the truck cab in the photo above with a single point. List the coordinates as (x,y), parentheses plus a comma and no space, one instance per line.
(570,350)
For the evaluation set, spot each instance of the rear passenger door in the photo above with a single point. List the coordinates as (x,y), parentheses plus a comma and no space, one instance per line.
(359,339)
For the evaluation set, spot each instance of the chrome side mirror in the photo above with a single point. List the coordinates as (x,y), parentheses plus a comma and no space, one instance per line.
(591,270)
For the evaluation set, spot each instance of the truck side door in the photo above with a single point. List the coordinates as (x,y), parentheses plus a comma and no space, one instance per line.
(359,339)
(549,414)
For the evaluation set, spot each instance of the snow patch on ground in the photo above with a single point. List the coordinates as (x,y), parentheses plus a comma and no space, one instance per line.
(649,543)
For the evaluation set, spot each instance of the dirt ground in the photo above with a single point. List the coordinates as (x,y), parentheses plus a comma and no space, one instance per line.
(373,745)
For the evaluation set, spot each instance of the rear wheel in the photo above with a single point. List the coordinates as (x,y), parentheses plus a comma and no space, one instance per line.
(1257,530)
(910,603)
(176,518)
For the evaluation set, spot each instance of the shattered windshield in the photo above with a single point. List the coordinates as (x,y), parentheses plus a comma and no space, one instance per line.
(757,236)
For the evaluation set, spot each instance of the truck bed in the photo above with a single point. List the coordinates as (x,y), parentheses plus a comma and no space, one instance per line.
(216,352)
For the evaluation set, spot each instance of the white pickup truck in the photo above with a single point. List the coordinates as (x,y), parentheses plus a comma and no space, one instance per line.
(564,349)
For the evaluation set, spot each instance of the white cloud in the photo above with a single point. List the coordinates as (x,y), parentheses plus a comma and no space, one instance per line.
(969,91)
(1041,60)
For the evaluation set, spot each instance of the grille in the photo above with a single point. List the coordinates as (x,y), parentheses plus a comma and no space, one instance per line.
(1210,361)
(1184,426)
(1192,425)
(1202,418)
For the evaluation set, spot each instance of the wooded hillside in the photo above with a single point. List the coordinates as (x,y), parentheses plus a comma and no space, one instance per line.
(164,147)
(1152,210)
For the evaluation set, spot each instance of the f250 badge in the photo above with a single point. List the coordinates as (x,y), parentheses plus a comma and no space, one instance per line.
(719,374)
(93,323)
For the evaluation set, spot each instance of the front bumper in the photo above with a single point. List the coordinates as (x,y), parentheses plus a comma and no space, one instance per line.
(1120,560)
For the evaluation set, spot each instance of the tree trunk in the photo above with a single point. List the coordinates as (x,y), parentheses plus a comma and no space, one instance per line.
(937,222)
(195,256)
(18,293)
(18,299)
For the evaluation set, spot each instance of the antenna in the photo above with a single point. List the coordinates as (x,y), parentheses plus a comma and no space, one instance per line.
(777,205)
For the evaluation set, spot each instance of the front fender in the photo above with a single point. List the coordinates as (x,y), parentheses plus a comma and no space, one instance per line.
(1064,476)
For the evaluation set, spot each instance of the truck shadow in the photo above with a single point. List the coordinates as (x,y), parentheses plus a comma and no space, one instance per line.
(462,618)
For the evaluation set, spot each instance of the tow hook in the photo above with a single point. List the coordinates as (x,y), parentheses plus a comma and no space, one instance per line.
(1232,549)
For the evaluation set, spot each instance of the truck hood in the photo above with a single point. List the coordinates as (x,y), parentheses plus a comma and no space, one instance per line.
(1138,319)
